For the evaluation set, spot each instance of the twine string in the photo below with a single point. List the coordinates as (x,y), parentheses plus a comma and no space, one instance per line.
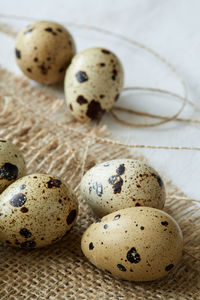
(165,119)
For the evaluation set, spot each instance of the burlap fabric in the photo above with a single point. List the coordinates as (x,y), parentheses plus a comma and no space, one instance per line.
(53,142)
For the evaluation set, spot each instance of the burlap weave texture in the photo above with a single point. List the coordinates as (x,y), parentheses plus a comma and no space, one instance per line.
(29,117)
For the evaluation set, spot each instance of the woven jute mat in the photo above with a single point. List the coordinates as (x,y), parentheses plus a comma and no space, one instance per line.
(53,142)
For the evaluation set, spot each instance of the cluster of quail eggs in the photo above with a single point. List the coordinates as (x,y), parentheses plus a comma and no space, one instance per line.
(134,239)
(93,78)
(35,210)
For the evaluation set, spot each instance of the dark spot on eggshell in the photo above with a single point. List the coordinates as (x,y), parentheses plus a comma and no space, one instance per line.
(18,200)
(107,271)
(29,70)
(121,268)
(35,59)
(53,183)
(169,267)
(121,169)
(137,204)
(81,100)
(2,141)
(98,188)
(116,182)
(61,70)
(164,223)
(142,227)
(70,107)
(105,226)
(105,51)
(91,246)
(117,217)
(59,29)
(8,242)
(50,30)
(43,68)
(102,96)
(114,74)
(48,58)
(22,187)
(25,233)
(29,31)
(94,110)
(160,182)
(132,256)
(9,172)
(28,244)
(24,209)
(71,217)
(117,97)
(18,53)
(102,64)
(81,76)
(1,214)
(98,221)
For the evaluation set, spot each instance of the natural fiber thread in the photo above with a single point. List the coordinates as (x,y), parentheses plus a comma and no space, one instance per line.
(166,119)
(113,142)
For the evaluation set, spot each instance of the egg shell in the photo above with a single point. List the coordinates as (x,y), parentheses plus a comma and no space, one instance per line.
(44,50)
(36,210)
(136,244)
(122,183)
(12,164)
(93,83)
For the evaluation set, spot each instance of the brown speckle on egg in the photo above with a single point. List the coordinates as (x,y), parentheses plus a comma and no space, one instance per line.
(121,268)
(53,183)
(91,246)
(29,31)
(18,53)
(25,233)
(9,171)
(169,267)
(133,256)
(18,200)
(28,244)
(94,110)
(164,223)
(24,209)
(81,100)
(105,51)
(81,76)
(71,217)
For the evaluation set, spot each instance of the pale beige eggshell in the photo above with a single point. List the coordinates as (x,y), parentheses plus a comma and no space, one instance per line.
(12,164)
(44,50)
(36,210)
(136,244)
(93,83)
(122,183)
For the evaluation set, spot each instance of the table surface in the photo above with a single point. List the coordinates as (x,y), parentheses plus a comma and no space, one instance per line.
(171,28)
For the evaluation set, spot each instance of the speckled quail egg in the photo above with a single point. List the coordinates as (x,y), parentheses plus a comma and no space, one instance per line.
(136,244)
(36,210)
(93,83)
(122,183)
(12,164)
(44,50)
